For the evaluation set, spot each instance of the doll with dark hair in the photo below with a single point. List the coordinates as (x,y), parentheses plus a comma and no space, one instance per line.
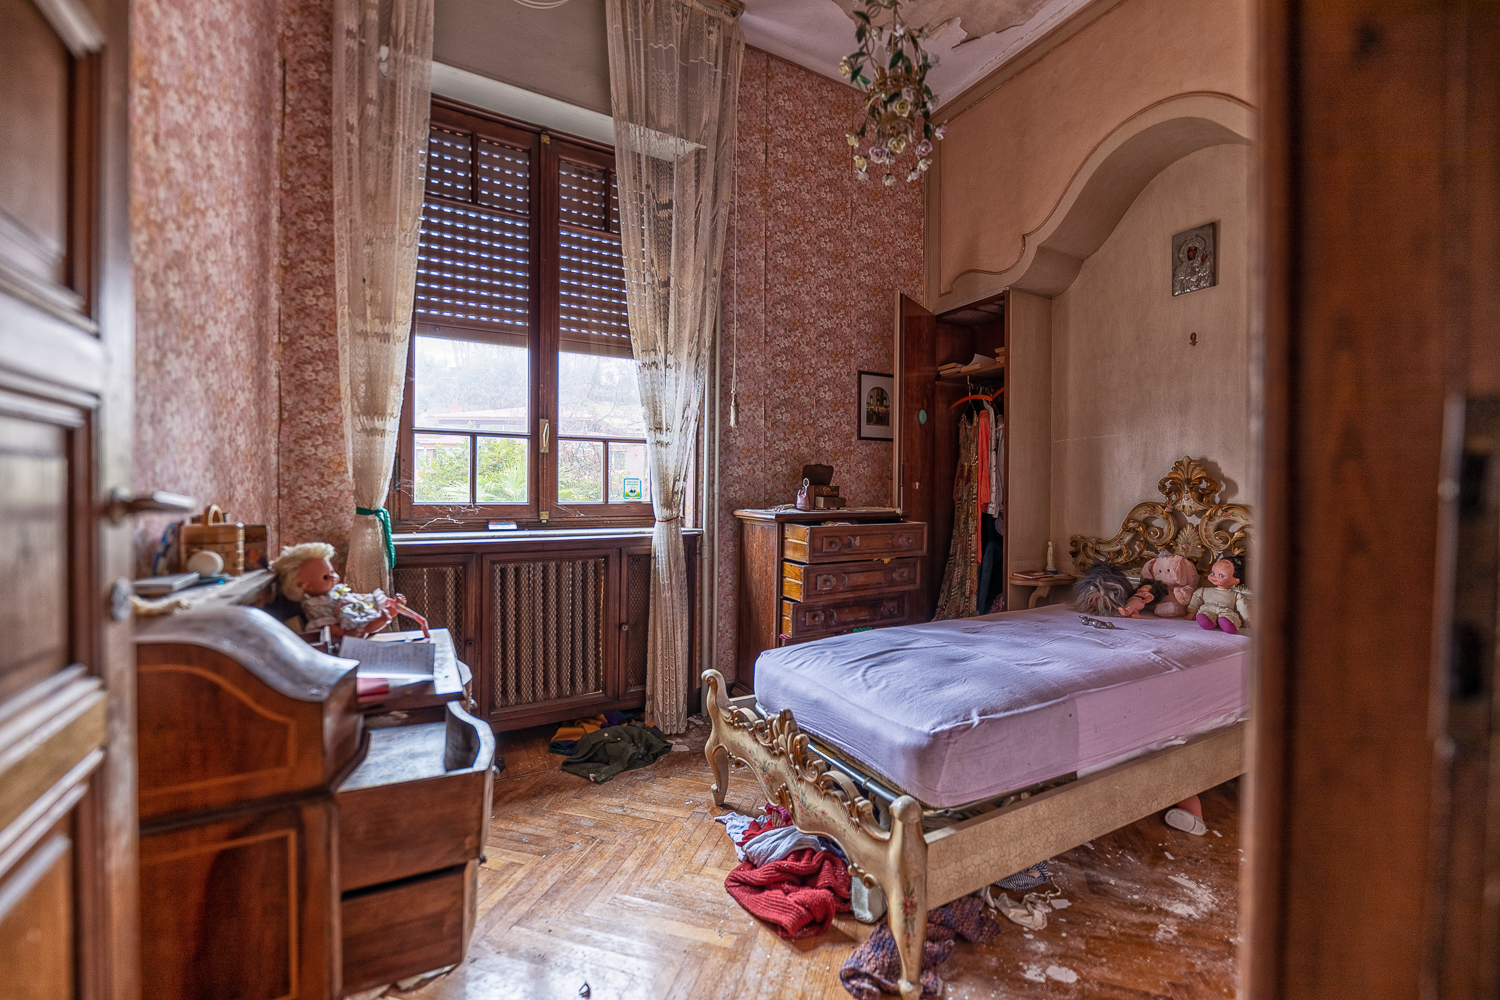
(1225,603)
(1145,596)
(1102,590)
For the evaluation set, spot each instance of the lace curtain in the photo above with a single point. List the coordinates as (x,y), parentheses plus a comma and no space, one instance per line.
(382,83)
(674,70)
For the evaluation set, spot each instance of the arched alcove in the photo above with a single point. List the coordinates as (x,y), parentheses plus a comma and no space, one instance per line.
(1103,188)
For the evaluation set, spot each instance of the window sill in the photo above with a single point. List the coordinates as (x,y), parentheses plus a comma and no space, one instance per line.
(415,540)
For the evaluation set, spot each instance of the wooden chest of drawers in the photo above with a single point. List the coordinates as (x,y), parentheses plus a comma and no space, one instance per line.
(802,578)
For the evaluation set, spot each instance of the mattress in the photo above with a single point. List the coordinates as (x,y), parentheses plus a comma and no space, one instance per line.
(957,711)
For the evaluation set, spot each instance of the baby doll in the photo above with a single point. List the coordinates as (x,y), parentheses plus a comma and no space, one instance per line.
(306,574)
(1225,604)
(1147,594)
(1180,576)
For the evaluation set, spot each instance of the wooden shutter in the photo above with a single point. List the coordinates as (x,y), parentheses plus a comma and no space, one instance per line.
(474,265)
(591,280)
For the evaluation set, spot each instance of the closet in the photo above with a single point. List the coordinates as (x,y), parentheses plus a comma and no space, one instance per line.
(926,452)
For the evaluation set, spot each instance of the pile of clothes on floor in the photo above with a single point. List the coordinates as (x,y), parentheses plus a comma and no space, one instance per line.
(792,880)
(797,881)
(600,747)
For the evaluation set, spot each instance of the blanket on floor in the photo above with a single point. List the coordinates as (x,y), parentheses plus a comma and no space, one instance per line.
(875,966)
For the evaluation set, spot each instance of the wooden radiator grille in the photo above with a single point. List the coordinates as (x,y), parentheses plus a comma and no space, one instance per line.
(436,592)
(638,617)
(546,630)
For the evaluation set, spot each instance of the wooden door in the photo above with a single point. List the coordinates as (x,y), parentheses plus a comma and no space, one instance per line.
(67,768)
(914,489)
(1374,828)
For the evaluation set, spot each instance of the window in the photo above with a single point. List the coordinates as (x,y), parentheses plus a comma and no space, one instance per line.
(521,400)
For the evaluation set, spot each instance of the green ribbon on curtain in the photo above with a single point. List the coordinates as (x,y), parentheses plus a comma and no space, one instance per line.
(384,516)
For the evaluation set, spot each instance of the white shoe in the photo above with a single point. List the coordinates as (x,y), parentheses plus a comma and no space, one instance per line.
(1181,819)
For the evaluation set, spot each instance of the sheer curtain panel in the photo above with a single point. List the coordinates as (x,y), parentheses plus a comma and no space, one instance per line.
(382,92)
(674,70)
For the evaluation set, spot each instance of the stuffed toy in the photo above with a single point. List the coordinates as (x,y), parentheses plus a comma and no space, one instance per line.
(1147,594)
(1181,578)
(1225,603)
(306,574)
(1103,590)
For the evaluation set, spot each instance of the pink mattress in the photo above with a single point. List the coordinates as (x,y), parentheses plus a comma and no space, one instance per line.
(956,711)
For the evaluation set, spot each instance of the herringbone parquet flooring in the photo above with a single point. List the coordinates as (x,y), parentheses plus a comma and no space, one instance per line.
(621,886)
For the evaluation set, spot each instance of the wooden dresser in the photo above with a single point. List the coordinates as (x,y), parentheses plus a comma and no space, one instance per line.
(805,575)
(287,851)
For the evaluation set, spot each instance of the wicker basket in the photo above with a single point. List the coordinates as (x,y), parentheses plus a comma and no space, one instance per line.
(217,535)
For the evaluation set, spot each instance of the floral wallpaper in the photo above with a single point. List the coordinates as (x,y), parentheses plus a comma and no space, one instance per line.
(204,213)
(815,259)
(237,397)
(317,498)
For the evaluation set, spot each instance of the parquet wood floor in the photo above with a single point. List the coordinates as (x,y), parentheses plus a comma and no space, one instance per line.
(621,886)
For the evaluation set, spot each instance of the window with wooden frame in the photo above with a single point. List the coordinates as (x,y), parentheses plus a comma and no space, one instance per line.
(521,397)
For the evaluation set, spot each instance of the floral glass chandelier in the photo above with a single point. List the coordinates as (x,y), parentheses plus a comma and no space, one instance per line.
(898,100)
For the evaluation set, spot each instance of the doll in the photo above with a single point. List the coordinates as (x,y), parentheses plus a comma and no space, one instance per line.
(1102,590)
(1147,594)
(1225,604)
(306,574)
(1180,576)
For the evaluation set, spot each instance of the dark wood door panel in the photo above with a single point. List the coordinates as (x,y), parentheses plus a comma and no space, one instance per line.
(34,509)
(37,913)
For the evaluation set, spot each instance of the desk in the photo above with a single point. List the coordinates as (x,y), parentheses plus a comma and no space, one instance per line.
(450,681)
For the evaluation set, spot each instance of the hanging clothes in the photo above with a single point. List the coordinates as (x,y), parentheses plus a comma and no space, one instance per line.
(974,578)
(958,597)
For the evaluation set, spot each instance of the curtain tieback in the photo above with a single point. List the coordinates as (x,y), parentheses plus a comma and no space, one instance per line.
(384,517)
(669,520)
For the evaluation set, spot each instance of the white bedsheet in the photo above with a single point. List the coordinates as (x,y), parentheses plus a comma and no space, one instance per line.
(956,711)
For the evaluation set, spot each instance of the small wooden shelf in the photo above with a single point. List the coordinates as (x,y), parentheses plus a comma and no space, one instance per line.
(983,375)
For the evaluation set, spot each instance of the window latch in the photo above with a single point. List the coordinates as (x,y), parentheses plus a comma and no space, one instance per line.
(546,433)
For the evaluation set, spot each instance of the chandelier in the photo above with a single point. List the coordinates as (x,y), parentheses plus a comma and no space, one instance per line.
(898,100)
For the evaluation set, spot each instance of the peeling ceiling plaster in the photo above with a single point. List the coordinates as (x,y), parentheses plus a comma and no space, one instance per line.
(976,36)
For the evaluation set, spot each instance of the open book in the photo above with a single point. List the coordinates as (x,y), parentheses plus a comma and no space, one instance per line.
(397,665)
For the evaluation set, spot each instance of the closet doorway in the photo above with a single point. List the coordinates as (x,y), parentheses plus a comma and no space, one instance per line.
(1006,374)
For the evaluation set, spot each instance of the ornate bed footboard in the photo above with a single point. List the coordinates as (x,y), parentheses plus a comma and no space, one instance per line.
(917,869)
(826,802)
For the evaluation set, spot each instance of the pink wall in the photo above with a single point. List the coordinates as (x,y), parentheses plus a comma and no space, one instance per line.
(205,179)
(237,358)
(814,262)
(317,499)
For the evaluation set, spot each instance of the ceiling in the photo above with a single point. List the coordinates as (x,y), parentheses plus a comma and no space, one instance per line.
(971,37)
(560,52)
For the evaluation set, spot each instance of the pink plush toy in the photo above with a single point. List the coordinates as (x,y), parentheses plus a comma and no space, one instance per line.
(1181,578)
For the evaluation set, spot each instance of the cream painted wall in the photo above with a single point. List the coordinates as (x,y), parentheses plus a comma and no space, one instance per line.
(1129,395)
(1009,156)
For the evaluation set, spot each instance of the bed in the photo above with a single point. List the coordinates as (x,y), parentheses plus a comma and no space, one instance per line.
(944,756)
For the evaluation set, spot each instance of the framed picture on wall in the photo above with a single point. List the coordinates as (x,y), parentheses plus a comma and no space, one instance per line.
(877,411)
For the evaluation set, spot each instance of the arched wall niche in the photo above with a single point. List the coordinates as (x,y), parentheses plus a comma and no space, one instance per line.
(1103,189)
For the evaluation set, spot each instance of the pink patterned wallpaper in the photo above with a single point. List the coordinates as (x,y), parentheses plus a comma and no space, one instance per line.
(237,396)
(814,262)
(317,499)
(205,106)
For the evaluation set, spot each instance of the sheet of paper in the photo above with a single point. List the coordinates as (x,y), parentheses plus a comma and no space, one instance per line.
(408,662)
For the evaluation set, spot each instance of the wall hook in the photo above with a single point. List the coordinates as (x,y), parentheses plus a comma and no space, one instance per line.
(1192,340)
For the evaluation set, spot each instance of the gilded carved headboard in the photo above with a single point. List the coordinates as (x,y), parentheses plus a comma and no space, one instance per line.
(1189,522)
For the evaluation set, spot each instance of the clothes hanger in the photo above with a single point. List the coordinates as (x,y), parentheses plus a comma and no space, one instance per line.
(986,397)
